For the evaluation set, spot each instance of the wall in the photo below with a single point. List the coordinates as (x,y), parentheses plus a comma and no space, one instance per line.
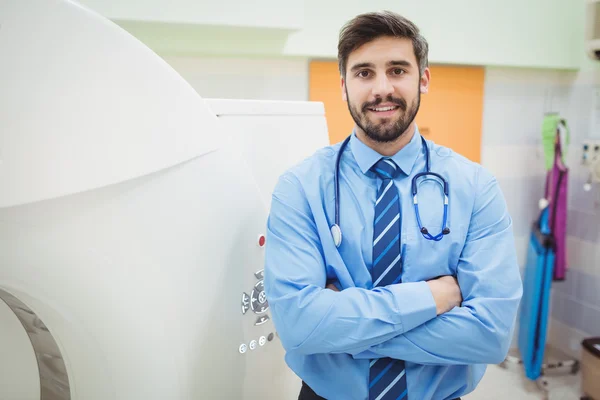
(257,13)
(532,33)
(515,101)
(535,33)
(514,105)
(244,78)
(576,301)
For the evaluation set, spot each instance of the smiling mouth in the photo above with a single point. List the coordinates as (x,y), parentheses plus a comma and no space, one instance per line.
(383,110)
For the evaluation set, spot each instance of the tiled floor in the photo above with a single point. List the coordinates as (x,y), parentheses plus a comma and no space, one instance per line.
(510,383)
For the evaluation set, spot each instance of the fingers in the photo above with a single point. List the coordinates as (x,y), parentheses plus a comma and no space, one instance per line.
(331,286)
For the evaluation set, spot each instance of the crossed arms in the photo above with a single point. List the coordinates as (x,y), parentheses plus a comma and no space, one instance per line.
(420,322)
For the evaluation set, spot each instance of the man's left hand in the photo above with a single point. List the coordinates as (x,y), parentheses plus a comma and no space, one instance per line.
(332,287)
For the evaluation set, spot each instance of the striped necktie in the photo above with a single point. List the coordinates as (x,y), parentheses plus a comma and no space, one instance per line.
(387,377)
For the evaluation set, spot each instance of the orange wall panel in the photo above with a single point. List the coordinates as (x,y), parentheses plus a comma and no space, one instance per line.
(450,114)
(325,86)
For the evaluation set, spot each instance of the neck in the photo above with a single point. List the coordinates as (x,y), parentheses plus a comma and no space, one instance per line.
(387,149)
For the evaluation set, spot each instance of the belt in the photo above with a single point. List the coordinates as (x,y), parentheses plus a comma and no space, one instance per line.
(306,393)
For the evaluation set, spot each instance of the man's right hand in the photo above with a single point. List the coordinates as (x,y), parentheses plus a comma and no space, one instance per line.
(446,293)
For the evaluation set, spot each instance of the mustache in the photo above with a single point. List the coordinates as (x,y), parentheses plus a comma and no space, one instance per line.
(397,101)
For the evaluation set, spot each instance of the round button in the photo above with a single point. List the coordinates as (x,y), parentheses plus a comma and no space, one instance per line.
(262,340)
(261,240)
(243,348)
(258,299)
(270,337)
(253,345)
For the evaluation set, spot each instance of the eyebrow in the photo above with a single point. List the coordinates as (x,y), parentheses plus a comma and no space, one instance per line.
(402,63)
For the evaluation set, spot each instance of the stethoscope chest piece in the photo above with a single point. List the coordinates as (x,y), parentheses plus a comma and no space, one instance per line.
(336,233)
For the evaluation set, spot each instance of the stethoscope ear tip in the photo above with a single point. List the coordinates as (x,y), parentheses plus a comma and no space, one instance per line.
(446,231)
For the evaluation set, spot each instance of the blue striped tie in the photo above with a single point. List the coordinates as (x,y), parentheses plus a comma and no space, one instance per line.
(387,377)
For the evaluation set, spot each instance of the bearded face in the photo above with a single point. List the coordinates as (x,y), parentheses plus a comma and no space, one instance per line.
(385,120)
(382,86)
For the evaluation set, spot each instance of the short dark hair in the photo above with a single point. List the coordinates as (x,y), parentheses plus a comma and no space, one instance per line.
(364,28)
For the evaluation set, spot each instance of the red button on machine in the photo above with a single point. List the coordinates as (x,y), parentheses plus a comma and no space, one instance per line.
(261,240)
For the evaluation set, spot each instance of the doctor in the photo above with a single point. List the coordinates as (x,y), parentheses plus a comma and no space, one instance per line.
(402,301)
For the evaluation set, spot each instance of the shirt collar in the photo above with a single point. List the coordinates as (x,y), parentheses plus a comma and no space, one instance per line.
(366,157)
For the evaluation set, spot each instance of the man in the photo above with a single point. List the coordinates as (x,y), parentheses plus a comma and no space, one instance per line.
(402,307)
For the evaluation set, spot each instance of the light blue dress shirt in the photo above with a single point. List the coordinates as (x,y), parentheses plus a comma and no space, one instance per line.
(330,337)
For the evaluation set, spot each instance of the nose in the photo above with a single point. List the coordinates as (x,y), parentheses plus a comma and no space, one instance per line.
(382,87)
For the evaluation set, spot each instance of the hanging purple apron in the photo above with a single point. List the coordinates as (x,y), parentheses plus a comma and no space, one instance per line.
(556,193)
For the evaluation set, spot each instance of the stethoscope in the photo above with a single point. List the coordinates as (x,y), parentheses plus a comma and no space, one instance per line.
(336,232)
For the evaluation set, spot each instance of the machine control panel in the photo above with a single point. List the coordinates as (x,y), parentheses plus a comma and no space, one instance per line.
(245,302)
(257,300)
(256,343)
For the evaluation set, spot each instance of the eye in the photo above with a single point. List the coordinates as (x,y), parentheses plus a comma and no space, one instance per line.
(363,74)
(398,71)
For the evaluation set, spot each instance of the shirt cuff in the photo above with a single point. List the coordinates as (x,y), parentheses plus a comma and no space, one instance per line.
(415,303)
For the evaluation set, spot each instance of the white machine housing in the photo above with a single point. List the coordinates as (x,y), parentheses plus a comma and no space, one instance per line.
(131,211)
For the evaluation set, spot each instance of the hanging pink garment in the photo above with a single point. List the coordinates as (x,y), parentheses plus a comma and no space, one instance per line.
(556,194)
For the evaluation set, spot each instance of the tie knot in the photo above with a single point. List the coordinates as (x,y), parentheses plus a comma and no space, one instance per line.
(386,168)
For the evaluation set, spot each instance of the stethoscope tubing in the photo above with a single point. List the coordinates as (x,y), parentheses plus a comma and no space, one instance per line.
(336,230)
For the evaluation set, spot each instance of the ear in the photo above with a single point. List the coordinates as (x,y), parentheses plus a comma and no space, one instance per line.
(424,83)
(343,85)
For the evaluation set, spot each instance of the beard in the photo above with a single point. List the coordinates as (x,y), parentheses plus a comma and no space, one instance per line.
(385,130)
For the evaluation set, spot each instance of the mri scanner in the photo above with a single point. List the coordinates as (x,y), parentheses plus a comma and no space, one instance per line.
(132,215)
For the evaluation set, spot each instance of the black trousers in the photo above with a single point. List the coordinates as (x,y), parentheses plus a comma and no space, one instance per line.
(306,393)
